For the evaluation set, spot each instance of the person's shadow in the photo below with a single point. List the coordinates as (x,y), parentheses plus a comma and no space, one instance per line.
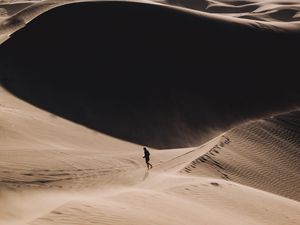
(146,175)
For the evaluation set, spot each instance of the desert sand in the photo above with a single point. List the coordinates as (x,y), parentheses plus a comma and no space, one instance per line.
(271,14)
(124,68)
(53,171)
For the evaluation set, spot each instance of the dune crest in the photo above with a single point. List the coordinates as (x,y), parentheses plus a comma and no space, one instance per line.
(273,14)
(170,70)
(53,171)
(259,154)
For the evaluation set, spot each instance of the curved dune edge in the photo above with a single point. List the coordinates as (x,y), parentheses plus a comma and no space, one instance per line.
(263,154)
(281,21)
(53,171)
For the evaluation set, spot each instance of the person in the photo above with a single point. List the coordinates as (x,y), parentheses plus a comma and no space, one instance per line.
(147,158)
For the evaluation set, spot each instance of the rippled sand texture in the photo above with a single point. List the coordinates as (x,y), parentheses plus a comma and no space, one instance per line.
(55,172)
(259,154)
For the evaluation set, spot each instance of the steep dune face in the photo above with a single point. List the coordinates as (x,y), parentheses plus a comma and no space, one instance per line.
(262,154)
(123,71)
(130,70)
(40,150)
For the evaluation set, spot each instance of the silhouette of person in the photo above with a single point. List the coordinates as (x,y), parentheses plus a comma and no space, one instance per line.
(147,158)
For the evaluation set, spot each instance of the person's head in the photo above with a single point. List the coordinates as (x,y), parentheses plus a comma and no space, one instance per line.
(145,149)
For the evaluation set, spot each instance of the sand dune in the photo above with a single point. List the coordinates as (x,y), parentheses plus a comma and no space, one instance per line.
(62,152)
(57,172)
(262,152)
(273,14)
(171,69)
(104,70)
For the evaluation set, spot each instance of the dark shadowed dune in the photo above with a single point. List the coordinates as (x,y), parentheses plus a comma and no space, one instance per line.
(232,9)
(149,74)
(238,3)
(284,15)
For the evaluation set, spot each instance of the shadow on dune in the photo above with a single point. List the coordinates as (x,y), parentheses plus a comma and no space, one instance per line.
(147,74)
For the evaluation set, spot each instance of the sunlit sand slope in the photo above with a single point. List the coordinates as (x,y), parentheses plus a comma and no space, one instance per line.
(264,154)
(56,172)
(40,150)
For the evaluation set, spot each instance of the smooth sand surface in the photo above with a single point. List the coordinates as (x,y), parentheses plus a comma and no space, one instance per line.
(53,171)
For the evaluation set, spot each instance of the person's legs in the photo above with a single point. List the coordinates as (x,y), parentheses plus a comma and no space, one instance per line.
(148,164)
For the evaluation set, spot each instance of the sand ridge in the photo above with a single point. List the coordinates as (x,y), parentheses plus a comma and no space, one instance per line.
(266,151)
(53,171)
(173,82)
(56,172)
(273,14)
